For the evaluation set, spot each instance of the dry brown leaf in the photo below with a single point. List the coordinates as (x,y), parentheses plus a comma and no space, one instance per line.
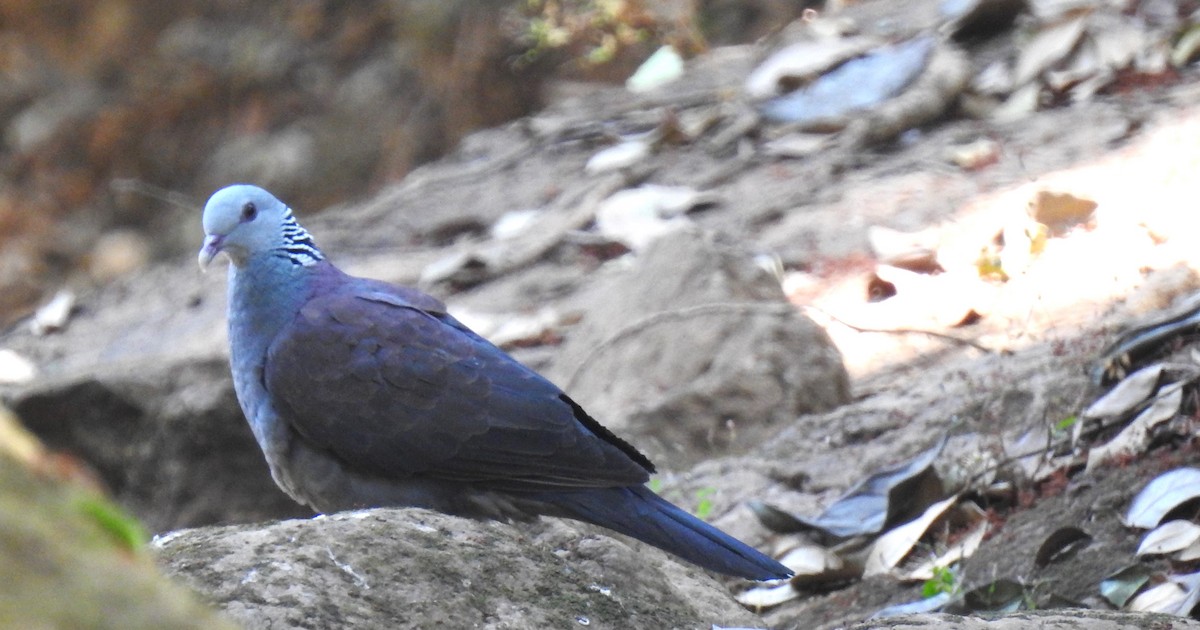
(1060,211)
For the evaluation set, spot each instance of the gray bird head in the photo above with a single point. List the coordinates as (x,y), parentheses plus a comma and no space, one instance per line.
(243,220)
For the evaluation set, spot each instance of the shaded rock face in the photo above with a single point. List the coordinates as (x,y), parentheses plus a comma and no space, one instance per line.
(694,352)
(419,569)
(172,445)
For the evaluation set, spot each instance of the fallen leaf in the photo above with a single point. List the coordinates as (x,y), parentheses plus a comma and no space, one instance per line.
(455,265)
(802,62)
(618,156)
(1189,553)
(1127,395)
(513,223)
(811,559)
(1165,493)
(882,499)
(995,80)
(1164,598)
(767,596)
(53,315)
(637,216)
(890,548)
(912,251)
(1118,587)
(1171,536)
(1022,102)
(1060,211)
(1191,586)
(961,550)
(1059,543)
(509,330)
(855,85)
(975,155)
(661,68)
(797,145)
(927,605)
(1120,43)
(1186,47)
(1135,438)
(997,596)
(777,520)
(1049,46)
(15,369)
(973,19)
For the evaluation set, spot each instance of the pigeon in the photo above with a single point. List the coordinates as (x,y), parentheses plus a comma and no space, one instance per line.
(365,394)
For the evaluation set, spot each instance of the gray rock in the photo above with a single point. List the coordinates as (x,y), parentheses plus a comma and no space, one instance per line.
(418,569)
(1074,618)
(695,352)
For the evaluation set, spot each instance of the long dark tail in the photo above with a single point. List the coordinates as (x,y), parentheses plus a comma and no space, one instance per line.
(636,511)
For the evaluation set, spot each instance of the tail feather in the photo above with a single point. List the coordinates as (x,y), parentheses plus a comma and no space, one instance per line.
(636,511)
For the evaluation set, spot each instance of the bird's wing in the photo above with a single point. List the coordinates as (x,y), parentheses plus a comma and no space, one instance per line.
(395,389)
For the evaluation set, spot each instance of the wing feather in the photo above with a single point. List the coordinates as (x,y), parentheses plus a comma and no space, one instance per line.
(395,389)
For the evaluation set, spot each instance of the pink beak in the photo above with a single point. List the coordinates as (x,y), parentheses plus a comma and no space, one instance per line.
(212,247)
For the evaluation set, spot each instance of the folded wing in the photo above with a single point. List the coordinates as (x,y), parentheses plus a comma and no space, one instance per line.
(396,389)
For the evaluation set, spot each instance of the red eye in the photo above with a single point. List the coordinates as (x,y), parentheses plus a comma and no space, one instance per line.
(249,211)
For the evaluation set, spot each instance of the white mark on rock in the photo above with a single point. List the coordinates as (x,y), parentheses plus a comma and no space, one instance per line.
(358,579)
(603,590)
(158,542)
(251,576)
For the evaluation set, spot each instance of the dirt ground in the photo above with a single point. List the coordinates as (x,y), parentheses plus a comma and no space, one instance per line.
(1132,152)
(1041,331)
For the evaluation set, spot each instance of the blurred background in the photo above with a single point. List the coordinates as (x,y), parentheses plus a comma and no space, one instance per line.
(119,117)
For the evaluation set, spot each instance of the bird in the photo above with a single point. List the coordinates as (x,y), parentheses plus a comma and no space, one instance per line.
(366,394)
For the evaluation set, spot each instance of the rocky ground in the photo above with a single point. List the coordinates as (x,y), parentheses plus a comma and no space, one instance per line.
(780,341)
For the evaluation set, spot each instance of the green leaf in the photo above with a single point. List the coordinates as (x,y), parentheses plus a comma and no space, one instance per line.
(125,529)
(943,581)
(704,504)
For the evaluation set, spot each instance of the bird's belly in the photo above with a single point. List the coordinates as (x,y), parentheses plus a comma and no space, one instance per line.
(320,480)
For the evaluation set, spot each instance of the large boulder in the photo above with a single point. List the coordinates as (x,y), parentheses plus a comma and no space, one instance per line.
(694,352)
(413,568)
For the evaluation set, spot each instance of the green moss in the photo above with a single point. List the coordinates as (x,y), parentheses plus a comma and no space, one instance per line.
(69,558)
